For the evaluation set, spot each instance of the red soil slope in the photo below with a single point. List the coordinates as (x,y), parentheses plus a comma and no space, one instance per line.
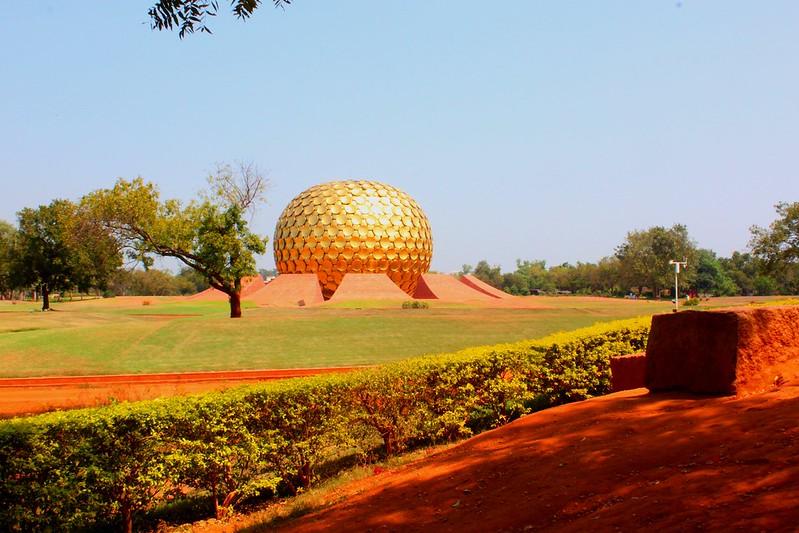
(626,461)
(209,295)
(290,290)
(447,288)
(477,284)
(249,285)
(368,287)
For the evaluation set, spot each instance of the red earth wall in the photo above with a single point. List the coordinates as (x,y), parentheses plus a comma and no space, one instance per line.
(628,372)
(737,351)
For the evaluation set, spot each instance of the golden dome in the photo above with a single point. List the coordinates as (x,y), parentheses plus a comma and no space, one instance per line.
(353,226)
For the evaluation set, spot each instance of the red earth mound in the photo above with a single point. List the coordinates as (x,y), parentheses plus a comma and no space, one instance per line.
(626,461)
(447,288)
(249,285)
(736,351)
(290,290)
(368,287)
(484,287)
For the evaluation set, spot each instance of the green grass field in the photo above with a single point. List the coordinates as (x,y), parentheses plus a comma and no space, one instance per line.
(123,336)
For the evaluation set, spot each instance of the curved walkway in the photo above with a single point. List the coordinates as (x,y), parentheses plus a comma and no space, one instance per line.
(20,396)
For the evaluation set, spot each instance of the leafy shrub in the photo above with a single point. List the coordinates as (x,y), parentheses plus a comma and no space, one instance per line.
(691,302)
(78,469)
(415,304)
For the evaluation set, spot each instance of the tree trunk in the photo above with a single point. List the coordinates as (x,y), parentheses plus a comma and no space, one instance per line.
(227,504)
(217,513)
(388,442)
(235,304)
(45,297)
(127,518)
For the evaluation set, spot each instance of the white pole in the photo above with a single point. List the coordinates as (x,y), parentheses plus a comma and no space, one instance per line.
(677,265)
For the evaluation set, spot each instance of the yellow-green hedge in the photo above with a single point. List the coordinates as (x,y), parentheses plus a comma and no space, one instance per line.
(75,469)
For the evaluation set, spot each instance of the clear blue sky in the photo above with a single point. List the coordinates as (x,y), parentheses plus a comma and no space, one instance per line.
(524,129)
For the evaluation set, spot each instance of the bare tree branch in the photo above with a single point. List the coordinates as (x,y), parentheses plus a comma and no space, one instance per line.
(245,187)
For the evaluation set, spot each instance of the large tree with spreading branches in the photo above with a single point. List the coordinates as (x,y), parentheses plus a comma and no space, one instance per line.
(644,257)
(188,16)
(777,246)
(210,235)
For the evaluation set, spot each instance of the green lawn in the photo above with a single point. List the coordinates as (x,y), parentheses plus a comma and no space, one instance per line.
(109,337)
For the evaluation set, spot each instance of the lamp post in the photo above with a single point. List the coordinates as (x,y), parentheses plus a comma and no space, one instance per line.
(677,265)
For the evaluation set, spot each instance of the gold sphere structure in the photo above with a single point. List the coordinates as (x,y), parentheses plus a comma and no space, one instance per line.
(341,227)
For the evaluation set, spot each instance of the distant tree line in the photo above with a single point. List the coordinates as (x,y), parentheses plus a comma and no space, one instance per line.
(85,246)
(48,255)
(640,266)
(154,282)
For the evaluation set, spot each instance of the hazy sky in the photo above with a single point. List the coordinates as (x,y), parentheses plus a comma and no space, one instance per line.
(525,129)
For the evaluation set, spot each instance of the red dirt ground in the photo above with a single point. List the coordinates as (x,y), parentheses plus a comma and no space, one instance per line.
(22,396)
(626,461)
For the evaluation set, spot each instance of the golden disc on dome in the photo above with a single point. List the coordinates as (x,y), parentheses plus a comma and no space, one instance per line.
(354,226)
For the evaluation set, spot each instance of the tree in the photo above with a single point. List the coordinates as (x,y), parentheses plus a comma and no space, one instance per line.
(536,275)
(210,235)
(607,276)
(742,269)
(514,283)
(644,257)
(765,285)
(58,248)
(711,278)
(7,239)
(190,15)
(778,245)
(153,282)
(563,276)
(192,280)
(489,274)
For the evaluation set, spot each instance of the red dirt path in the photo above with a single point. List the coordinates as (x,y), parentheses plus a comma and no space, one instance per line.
(628,461)
(22,396)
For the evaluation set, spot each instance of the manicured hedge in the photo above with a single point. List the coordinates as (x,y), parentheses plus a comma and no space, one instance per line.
(76,469)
